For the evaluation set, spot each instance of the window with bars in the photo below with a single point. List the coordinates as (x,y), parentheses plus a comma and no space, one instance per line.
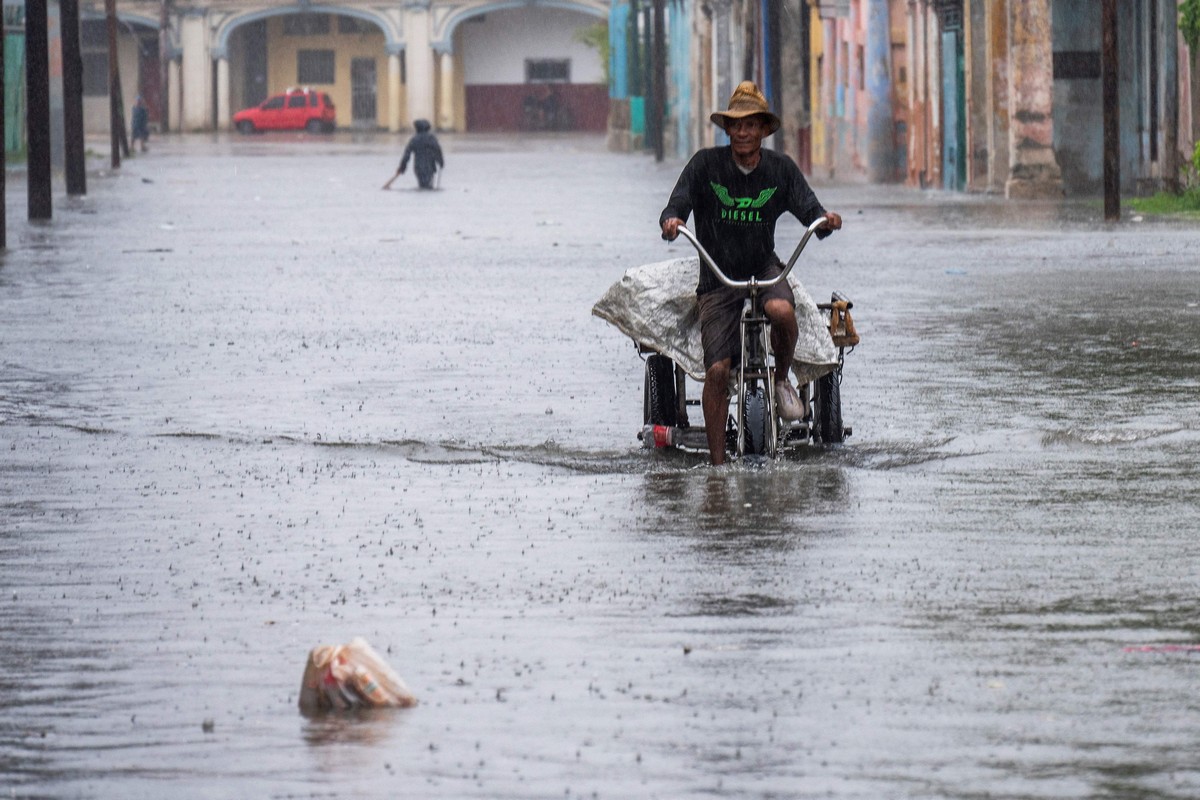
(547,70)
(95,74)
(315,66)
(950,14)
(306,25)
(353,25)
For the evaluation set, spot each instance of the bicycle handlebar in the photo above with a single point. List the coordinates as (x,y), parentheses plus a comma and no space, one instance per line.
(753,282)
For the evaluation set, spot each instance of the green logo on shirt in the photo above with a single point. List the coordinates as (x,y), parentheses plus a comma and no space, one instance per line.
(741,209)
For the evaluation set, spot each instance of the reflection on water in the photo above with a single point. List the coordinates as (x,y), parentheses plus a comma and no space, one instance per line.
(778,497)
(748,604)
(741,526)
(353,741)
(365,726)
(1170,617)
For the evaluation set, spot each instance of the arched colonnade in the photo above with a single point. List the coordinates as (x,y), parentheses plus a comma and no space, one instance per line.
(422,78)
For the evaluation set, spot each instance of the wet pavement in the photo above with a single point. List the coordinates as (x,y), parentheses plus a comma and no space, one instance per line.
(250,403)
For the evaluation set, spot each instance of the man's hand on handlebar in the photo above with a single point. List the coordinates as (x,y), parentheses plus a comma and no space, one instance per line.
(670,228)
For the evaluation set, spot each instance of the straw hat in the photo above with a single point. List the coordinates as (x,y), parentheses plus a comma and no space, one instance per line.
(746,101)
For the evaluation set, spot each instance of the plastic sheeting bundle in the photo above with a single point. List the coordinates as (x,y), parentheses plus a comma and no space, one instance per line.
(655,305)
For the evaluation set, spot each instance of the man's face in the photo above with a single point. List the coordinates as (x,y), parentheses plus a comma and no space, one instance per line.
(746,134)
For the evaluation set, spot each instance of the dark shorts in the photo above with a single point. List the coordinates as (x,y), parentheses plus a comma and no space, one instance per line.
(721,316)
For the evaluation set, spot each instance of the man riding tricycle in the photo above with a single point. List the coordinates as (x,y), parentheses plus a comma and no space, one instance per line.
(745,304)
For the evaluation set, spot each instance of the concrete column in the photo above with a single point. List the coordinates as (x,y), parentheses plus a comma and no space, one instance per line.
(418,59)
(829,56)
(840,54)
(723,27)
(445,111)
(224,115)
(793,92)
(933,107)
(997,95)
(1034,169)
(881,143)
(1168,20)
(393,89)
(682,50)
(196,72)
(918,106)
(978,75)
(174,95)
(706,77)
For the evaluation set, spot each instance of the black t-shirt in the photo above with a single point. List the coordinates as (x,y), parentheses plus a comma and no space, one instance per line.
(736,213)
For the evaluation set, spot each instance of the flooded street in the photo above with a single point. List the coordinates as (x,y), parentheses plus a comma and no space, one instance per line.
(250,403)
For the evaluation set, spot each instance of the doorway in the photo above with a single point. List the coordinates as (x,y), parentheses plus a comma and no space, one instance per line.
(254,70)
(363,111)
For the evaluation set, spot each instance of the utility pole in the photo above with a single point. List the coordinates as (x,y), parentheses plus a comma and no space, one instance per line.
(659,78)
(116,104)
(73,150)
(1168,20)
(804,144)
(164,64)
(1112,133)
(648,70)
(37,108)
(3,139)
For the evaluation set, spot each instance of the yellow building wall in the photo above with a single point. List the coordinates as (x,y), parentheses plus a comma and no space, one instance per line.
(282,66)
(816,51)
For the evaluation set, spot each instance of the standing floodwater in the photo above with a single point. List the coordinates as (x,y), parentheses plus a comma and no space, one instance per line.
(250,404)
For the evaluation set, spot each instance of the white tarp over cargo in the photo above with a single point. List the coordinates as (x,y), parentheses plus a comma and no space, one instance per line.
(655,305)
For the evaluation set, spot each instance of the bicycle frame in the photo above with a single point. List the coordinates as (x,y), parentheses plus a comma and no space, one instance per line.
(757,361)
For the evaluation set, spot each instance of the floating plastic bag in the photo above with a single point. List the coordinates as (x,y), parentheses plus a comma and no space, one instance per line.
(342,677)
(655,305)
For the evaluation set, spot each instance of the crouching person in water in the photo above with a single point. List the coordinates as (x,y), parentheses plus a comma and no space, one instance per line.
(736,193)
(426,154)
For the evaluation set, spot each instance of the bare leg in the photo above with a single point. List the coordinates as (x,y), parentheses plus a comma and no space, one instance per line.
(715,400)
(784,334)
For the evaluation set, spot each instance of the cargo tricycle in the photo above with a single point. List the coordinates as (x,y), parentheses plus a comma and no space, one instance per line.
(754,429)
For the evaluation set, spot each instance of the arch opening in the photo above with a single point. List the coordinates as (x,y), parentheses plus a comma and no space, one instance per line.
(339,51)
(530,68)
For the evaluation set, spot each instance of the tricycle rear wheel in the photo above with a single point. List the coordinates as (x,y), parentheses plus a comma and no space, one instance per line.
(659,401)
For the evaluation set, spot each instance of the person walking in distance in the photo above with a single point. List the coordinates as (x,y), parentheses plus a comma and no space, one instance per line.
(737,192)
(140,123)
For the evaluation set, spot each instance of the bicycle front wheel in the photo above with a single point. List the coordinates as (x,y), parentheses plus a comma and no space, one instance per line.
(755,424)
(828,415)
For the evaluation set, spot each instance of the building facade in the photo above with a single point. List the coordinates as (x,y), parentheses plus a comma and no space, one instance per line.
(473,65)
(1000,96)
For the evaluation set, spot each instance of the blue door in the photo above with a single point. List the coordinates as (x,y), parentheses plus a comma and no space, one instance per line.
(954,117)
